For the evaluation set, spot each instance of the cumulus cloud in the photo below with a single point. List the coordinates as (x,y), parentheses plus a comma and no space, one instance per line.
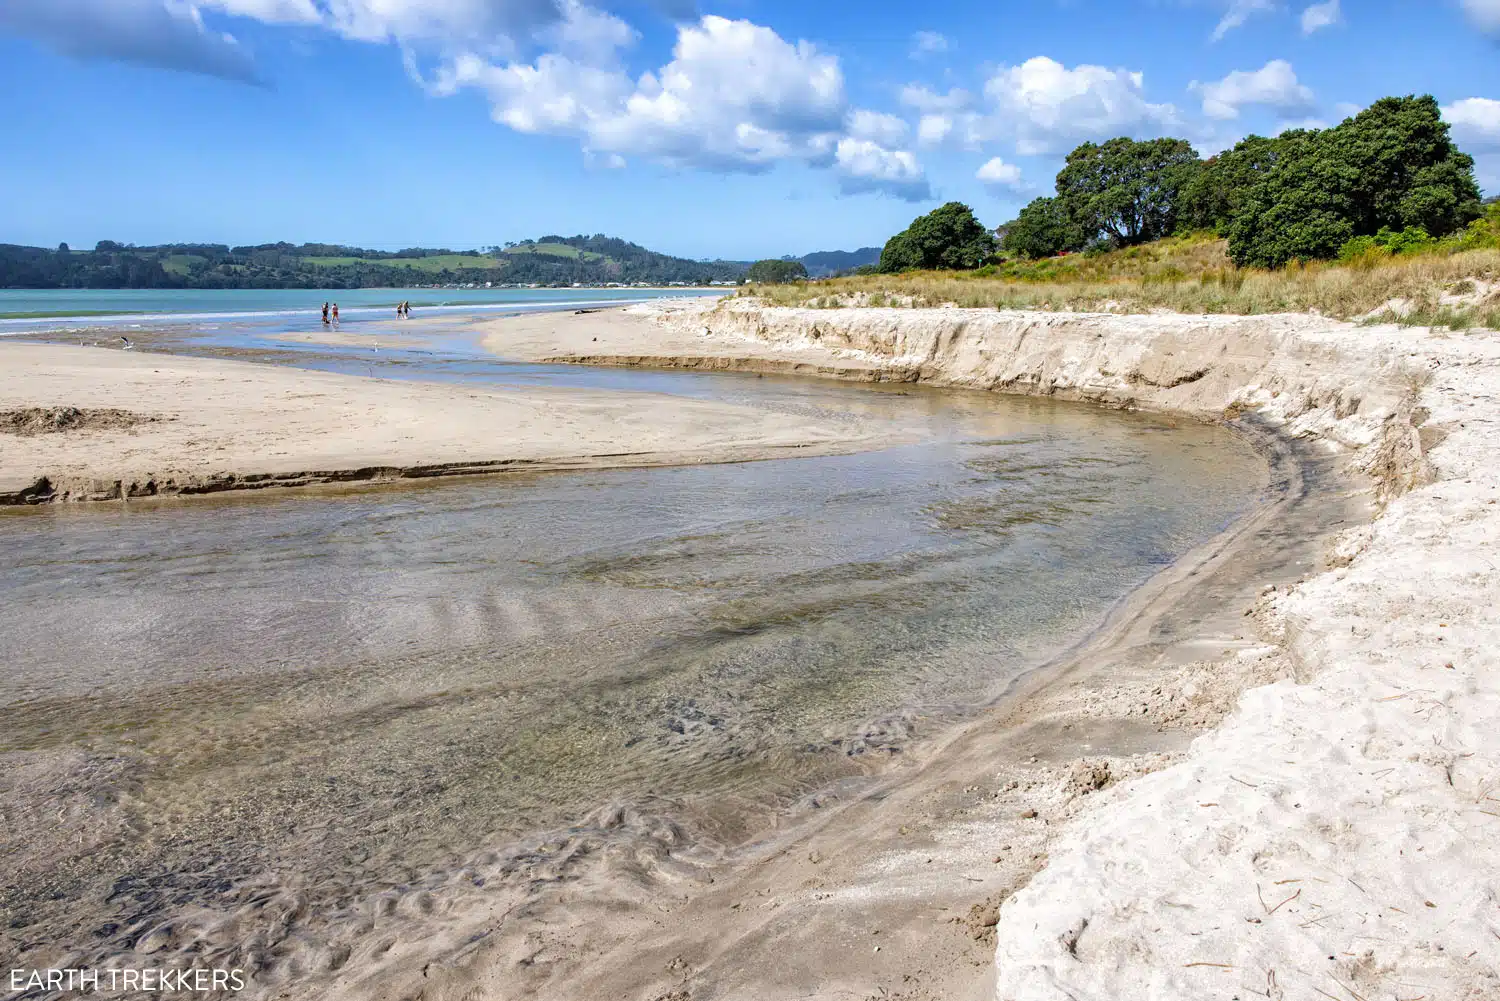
(1274,85)
(887,130)
(1476,123)
(996,173)
(172,34)
(1045,106)
(143,32)
(736,96)
(1238,12)
(1320,16)
(927,43)
(865,166)
(943,117)
(1484,13)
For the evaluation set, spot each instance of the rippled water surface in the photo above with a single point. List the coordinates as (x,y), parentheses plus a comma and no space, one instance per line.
(341,693)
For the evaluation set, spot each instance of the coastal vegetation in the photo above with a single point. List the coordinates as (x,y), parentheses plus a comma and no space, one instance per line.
(775,272)
(1376,219)
(947,237)
(1302,195)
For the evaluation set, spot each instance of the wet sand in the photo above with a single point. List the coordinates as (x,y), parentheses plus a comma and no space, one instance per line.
(802,703)
(207,425)
(1332,833)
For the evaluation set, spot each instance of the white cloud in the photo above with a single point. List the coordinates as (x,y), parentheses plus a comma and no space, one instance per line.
(735,97)
(1320,16)
(1484,13)
(1045,106)
(925,99)
(866,166)
(171,34)
(588,34)
(1274,85)
(944,118)
(479,24)
(996,173)
(934,130)
(927,43)
(1475,121)
(887,130)
(143,32)
(269,11)
(1238,13)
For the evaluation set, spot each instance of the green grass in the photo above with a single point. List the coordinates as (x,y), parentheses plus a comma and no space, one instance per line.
(1194,275)
(180,264)
(555,250)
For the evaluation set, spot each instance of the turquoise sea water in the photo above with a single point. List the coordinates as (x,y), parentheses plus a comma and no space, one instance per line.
(23,310)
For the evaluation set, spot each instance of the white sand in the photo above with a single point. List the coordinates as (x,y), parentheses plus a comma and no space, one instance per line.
(1339,834)
(231,425)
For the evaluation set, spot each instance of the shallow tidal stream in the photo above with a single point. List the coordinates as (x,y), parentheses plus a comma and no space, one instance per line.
(230,729)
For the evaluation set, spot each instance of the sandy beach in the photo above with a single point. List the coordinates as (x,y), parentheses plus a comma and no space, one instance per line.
(153,425)
(1331,831)
(1271,772)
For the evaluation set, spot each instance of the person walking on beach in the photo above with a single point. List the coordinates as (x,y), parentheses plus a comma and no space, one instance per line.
(408,309)
(325,314)
(335,314)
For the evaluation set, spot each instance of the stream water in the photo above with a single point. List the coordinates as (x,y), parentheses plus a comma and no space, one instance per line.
(228,726)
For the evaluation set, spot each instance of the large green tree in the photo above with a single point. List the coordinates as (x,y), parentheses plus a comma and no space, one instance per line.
(1126,192)
(774,272)
(948,237)
(1043,229)
(1391,166)
(1216,191)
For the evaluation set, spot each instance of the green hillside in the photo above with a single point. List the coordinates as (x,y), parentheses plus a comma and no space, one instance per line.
(549,261)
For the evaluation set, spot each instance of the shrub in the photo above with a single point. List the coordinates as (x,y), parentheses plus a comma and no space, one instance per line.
(1043,229)
(773,272)
(1361,249)
(947,237)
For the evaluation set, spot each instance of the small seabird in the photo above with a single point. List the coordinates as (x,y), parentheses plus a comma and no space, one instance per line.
(125,343)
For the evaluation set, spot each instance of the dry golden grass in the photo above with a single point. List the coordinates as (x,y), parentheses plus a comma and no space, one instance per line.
(1187,275)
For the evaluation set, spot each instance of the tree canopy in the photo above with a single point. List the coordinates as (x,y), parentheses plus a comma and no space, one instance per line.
(1125,192)
(1043,229)
(1392,166)
(553,260)
(948,237)
(775,272)
(1304,194)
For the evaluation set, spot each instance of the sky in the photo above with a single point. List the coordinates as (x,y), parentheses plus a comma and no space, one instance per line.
(704,128)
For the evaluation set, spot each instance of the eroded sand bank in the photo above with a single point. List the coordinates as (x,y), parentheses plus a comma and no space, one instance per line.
(150,424)
(1336,834)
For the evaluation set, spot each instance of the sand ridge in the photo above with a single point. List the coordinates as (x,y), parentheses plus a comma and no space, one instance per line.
(207,425)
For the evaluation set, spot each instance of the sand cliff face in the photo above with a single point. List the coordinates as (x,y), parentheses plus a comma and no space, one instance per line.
(1352,386)
(1338,834)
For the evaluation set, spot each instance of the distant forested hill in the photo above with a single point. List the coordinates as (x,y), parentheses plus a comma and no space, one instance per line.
(551,260)
(828,262)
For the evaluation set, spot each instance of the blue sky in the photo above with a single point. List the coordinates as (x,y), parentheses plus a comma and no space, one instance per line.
(739,128)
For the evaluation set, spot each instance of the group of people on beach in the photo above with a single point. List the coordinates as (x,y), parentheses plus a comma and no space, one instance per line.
(331,316)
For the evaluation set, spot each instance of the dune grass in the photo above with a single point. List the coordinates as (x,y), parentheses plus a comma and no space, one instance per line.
(1190,275)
